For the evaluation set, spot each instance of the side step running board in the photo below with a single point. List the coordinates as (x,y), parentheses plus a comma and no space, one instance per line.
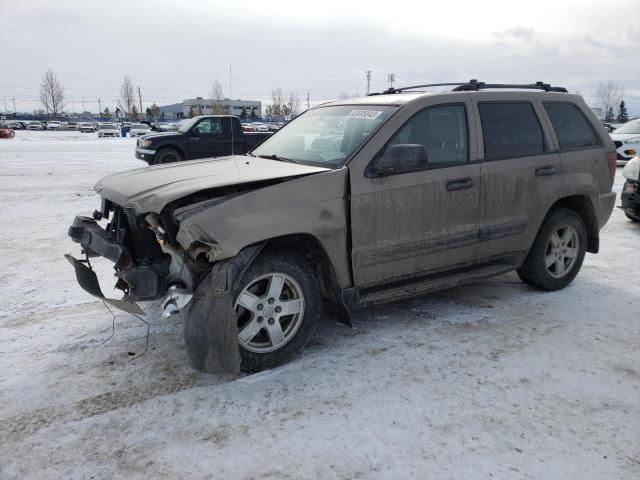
(420,286)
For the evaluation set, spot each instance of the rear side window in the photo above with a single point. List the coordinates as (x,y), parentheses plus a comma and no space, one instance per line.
(572,128)
(510,130)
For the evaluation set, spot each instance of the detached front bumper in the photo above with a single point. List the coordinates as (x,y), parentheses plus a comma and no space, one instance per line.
(138,280)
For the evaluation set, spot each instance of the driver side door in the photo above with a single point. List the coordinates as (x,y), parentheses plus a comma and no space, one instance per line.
(206,139)
(420,222)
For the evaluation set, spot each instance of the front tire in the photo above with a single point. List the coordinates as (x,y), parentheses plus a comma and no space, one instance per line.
(557,252)
(167,155)
(277,307)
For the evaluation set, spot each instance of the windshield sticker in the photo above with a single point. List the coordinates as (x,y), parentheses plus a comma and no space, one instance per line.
(365,114)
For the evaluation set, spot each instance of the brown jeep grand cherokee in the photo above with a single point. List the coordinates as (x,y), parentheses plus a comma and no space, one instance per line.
(356,202)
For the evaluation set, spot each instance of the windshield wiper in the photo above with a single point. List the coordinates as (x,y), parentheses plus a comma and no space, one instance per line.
(277,157)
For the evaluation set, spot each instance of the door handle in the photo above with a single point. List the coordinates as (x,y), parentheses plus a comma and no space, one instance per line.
(544,171)
(459,184)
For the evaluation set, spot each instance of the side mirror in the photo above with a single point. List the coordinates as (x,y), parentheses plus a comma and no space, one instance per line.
(401,158)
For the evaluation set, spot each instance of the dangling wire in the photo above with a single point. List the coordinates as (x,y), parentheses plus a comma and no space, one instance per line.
(113,322)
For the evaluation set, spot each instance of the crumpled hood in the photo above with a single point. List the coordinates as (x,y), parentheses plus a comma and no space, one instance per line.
(149,189)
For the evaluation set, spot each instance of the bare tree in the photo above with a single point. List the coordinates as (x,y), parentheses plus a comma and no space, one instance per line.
(345,95)
(127,100)
(52,93)
(609,94)
(154,111)
(217,95)
(292,107)
(276,109)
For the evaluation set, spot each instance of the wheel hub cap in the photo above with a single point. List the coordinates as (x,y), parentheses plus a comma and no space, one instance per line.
(269,312)
(562,251)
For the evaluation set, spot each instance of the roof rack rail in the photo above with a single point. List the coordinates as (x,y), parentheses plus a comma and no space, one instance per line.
(475,85)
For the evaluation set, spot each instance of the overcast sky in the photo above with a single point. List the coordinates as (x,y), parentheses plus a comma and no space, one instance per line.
(175,49)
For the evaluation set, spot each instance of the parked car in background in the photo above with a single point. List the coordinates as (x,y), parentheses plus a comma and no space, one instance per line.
(86,127)
(35,126)
(54,126)
(164,127)
(630,196)
(611,126)
(16,125)
(5,130)
(627,141)
(139,130)
(75,126)
(109,130)
(422,192)
(198,137)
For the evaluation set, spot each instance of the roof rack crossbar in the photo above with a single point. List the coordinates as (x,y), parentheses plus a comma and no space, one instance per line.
(475,85)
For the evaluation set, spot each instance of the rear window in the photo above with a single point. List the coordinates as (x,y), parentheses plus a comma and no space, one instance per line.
(572,128)
(510,130)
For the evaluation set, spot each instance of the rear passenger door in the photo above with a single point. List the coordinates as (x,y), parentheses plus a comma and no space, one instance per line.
(520,175)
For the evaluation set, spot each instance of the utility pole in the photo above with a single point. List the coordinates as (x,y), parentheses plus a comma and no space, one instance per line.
(99,108)
(367,74)
(5,103)
(14,106)
(308,101)
(140,100)
(73,107)
(391,78)
(84,109)
(230,98)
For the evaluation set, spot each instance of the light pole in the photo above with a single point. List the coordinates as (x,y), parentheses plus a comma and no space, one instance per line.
(367,74)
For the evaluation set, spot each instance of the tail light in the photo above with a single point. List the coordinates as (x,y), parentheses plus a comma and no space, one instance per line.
(612,160)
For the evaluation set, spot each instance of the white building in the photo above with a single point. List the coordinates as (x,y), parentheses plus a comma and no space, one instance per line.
(204,106)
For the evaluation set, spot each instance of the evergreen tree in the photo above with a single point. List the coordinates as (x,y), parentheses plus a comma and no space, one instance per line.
(243,114)
(623,116)
(609,116)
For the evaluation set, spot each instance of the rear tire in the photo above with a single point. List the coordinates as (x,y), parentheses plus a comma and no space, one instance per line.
(167,155)
(557,253)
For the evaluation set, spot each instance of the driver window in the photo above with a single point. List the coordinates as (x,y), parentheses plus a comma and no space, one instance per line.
(209,126)
(441,130)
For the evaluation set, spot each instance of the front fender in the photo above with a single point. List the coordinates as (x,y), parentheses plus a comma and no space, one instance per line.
(315,205)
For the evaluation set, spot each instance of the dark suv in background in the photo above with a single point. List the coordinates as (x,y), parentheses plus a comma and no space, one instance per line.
(357,202)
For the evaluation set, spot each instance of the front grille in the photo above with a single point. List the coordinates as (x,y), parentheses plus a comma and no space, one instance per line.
(620,157)
(617,144)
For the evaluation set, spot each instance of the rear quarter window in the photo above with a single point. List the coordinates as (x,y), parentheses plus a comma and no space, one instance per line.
(510,130)
(572,128)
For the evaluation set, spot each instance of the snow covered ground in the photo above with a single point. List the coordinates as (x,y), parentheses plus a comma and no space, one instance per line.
(491,380)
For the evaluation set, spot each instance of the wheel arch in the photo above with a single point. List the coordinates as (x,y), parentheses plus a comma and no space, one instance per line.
(583,206)
(170,145)
(312,251)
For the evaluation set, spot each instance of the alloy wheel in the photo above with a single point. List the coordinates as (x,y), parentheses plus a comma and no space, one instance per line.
(562,251)
(269,312)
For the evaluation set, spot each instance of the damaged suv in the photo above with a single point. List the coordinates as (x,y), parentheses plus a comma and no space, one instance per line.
(353,203)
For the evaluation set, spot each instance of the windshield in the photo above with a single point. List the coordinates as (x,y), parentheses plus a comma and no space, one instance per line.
(139,126)
(107,126)
(185,125)
(631,127)
(325,135)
